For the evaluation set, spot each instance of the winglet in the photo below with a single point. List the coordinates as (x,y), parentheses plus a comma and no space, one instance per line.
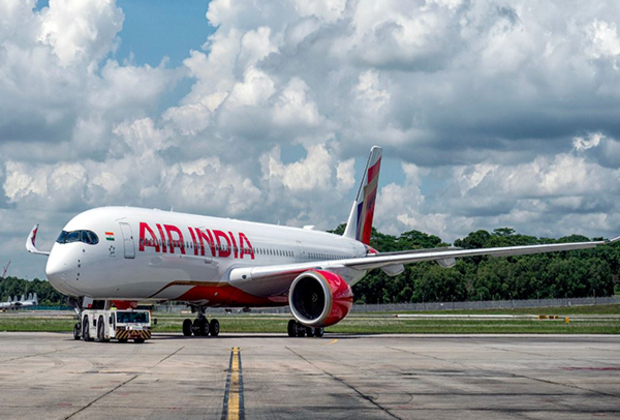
(30,246)
(611,241)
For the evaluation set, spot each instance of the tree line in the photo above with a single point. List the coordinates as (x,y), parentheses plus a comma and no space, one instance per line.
(593,272)
(567,274)
(11,287)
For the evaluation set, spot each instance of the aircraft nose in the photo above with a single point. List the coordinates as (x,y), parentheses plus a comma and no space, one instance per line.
(59,270)
(56,269)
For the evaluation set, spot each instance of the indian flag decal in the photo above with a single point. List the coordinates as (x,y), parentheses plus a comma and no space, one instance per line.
(109,236)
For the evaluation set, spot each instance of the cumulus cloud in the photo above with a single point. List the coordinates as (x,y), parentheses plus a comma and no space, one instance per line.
(501,114)
(80,31)
(604,37)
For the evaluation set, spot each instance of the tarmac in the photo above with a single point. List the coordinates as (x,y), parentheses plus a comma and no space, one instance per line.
(251,376)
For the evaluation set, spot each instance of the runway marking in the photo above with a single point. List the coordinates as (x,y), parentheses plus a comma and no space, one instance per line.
(342,381)
(332,342)
(233,397)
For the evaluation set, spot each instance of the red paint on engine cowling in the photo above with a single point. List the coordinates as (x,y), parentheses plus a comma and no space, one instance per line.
(342,297)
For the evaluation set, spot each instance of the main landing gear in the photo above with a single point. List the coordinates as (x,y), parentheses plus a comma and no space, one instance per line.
(201,327)
(296,329)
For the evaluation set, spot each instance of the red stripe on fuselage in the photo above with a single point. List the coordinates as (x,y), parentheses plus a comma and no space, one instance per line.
(227,295)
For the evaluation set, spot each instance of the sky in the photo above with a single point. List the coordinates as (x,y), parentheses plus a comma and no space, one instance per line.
(491,113)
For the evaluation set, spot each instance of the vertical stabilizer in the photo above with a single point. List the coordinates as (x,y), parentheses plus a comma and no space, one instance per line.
(359,225)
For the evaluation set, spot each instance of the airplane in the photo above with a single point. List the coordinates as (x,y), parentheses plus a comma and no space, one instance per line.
(20,303)
(125,254)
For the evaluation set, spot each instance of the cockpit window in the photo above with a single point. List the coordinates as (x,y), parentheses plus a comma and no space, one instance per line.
(86,236)
(73,236)
(90,237)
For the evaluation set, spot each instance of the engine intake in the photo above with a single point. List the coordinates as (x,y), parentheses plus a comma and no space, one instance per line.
(320,298)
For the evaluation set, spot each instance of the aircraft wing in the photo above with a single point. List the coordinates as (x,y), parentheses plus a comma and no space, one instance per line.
(379,260)
(290,271)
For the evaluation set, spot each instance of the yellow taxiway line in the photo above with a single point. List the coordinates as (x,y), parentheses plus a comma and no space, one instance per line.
(233,397)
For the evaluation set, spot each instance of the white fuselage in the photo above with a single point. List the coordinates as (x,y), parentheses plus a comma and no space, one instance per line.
(159,255)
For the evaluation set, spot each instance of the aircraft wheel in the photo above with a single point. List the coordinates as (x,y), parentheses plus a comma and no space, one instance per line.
(195,328)
(187,327)
(291,328)
(200,327)
(101,330)
(310,331)
(214,327)
(318,332)
(76,331)
(301,330)
(85,329)
(204,327)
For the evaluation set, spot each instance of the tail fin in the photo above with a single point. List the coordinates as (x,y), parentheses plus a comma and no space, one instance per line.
(359,225)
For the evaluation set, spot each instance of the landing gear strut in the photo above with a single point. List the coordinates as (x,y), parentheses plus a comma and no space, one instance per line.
(201,327)
(76,304)
(296,329)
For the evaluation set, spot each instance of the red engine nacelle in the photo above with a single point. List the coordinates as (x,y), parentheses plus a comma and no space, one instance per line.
(320,298)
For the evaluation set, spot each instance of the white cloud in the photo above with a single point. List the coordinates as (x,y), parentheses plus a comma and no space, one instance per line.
(502,114)
(255,89)
(314,172)
(81,31)
(604,37)
(327,10)
(294,108)
(582,143)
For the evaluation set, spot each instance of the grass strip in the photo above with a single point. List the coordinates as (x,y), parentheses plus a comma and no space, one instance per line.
(251,324)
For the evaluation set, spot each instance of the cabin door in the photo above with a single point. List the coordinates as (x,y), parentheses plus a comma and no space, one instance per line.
(128,243)
(301,251)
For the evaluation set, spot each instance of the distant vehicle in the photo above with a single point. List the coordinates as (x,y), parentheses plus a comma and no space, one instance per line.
(20,303)
(131,254)
(120,324)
